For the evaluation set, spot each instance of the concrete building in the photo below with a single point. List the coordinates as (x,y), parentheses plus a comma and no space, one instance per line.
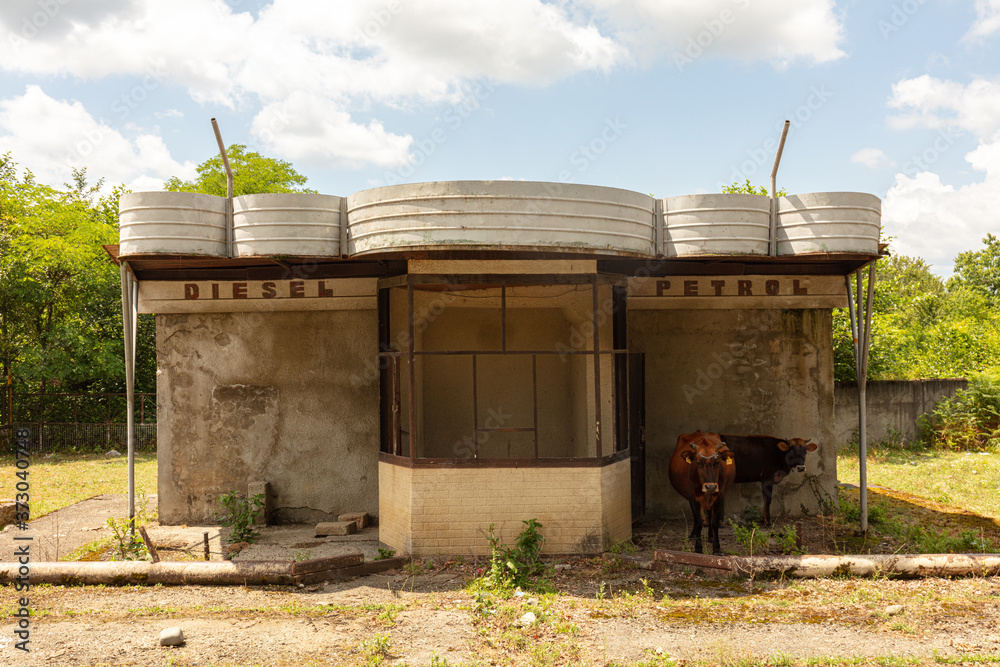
(449,355)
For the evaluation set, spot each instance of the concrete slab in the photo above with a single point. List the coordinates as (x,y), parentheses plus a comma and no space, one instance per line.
(328,528)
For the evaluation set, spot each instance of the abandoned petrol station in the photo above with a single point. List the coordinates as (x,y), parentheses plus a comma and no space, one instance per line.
(449,355)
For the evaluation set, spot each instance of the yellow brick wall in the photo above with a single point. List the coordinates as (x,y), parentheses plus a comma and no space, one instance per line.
(438,511)
(394,507)
(616,487)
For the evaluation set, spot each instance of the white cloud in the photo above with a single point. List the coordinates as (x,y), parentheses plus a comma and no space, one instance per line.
(987,20)
(352,54)
(51,137)
(313,129)
(930,102)
(870,157)
(771,30)
(933,219)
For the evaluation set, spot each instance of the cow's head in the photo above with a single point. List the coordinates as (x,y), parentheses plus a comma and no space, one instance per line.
(795,450)
(709,457)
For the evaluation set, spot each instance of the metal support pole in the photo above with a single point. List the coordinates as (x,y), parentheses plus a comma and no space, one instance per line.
(860,310)
(597,369)
(130,306)
(773,237)
(229,189)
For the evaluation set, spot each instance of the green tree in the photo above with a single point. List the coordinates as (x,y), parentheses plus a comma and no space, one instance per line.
(60,299)
(747,188)
(252,174)
(979,270)
(923,328)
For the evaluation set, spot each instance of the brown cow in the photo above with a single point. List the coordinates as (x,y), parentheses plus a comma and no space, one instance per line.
(768,460)
(701,470)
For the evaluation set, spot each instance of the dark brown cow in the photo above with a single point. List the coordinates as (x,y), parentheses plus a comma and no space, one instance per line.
(768,460)
(701,470)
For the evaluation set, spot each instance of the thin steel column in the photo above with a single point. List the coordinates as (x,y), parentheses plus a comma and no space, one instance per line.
(130,306)
(413,376)
(860,310)
(597,369)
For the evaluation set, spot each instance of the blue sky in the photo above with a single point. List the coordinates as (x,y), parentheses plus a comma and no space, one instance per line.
(668,97)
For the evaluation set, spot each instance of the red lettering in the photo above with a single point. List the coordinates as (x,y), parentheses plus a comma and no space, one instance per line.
(239,290)
(662,286)
(323,291)
(771,287)
(718,285)
(296,289)
(690,288)
(190,291)
(267,291)
(215,290)
(798,289)
(744,287)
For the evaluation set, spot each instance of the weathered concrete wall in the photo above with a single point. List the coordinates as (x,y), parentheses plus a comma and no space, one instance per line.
(753,372)
(893,406)
(290,398)
(434,511)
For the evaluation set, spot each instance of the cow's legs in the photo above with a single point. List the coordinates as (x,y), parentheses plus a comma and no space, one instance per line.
(696,531)
(718,509)
(767,489)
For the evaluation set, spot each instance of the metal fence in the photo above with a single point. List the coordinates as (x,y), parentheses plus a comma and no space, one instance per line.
(80,422)
(46,437)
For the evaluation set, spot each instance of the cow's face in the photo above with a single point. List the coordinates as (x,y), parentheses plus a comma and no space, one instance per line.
(795,452)
(709,458)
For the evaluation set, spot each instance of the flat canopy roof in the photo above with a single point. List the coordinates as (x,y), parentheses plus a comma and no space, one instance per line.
(181,235)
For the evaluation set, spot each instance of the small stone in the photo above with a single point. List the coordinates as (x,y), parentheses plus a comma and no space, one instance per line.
(328,528)
(113,454)
(532,601)
(360,518)
(563,566)
(894,609)
(8,513)
(171,637)
(527,619)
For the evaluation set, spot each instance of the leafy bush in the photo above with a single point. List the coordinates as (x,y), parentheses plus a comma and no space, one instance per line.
(747,188)
(241,513)
(969,420)
(517,566)
(126,544)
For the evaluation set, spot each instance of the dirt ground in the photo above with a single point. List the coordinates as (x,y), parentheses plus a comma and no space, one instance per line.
(595,613)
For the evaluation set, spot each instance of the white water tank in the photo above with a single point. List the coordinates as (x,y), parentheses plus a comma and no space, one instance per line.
(500,215)
(829,222)
(716,224)
(176,223)
(286,224)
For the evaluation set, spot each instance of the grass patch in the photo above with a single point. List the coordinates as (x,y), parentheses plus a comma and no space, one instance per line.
(64,479)
(957,479)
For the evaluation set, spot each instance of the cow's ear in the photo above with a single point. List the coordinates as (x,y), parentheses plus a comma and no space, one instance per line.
(728,457)
(812,447)
(782,445)
(688,456)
